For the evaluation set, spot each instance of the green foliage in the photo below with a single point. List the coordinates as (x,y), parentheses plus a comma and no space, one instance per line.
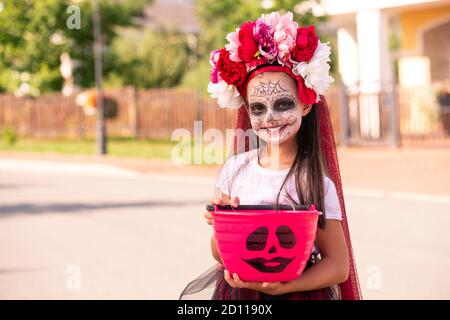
(197,77)
(9,136)
(117,147)
(27,28)
(151,58)
(113,14)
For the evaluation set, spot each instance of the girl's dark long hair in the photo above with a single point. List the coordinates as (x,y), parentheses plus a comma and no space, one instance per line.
(308,163)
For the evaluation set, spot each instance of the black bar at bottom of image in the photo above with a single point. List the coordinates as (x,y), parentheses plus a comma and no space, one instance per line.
(205,309)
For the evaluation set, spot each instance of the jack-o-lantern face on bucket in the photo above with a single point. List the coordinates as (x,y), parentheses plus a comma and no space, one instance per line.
(271,244)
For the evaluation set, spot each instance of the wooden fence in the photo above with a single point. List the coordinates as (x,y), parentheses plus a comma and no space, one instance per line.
(156,113)
(145,114)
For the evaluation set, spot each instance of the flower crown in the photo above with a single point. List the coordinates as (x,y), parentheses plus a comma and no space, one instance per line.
(271,39)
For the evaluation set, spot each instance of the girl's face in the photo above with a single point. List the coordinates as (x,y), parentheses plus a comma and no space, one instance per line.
(273,107)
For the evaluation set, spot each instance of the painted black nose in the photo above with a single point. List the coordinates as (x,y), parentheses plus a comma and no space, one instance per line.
(272,249)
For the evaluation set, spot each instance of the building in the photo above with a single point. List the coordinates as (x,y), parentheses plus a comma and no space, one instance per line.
(406,42)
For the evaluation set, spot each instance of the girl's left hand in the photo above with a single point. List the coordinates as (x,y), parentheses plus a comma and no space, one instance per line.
(271,288)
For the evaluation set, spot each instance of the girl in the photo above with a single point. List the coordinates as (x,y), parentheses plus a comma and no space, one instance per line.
(276,73)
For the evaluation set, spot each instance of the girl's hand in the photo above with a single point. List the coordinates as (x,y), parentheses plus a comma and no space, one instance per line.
(271,288)
(220,201)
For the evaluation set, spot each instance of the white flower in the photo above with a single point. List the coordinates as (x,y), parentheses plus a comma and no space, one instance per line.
(233,45)
(316,71)
(227,95)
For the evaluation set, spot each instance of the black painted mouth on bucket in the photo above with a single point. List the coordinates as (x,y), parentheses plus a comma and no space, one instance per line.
(273,265)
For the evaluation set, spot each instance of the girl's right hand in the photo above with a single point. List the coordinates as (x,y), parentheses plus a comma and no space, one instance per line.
(234,201)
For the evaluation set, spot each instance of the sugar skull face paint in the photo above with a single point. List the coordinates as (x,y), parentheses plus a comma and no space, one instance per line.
(273,107)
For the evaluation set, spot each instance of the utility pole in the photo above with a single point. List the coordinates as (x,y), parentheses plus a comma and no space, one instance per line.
(101,130)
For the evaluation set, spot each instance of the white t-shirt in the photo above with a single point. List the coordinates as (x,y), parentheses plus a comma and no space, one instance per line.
(258,185)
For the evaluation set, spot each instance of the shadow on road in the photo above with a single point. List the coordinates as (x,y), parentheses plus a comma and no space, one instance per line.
(28,208)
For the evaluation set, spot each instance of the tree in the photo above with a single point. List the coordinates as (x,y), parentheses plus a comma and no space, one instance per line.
(34,33)
(26,52)
(153,58)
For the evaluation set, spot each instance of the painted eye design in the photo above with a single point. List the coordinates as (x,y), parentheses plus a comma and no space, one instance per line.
(285,105)
(286,237)
(257,109)
(257,240)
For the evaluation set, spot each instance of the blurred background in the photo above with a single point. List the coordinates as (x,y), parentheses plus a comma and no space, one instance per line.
(92,203)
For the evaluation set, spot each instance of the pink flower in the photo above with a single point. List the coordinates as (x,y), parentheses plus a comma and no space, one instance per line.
(285,32)
(213,59)
(233,45)
(263,34)
(271,19)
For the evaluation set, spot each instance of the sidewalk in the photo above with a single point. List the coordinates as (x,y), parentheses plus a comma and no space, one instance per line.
(414,170)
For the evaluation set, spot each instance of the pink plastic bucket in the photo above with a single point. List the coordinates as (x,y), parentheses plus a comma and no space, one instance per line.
(265,245)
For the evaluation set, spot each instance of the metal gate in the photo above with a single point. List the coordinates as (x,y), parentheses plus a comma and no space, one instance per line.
(369,118)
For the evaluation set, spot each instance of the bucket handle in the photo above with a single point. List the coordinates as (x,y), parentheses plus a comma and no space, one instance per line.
(216,208)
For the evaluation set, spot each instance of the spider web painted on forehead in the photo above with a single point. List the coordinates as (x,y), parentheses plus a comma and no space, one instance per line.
(264,89)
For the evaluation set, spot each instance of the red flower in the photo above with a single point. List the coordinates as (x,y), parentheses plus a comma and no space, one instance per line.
(305,45)
(231,72)
(248,46)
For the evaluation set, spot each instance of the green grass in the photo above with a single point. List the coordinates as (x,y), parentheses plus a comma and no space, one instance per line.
(121,147)
(116,146)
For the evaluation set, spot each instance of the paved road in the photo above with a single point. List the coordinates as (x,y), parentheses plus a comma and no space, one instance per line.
(93,231)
